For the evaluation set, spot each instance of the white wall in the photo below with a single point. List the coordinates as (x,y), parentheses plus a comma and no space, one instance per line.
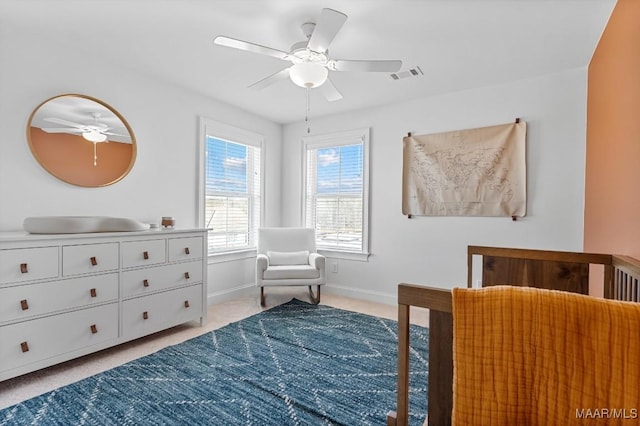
(163,180)
(163,118)
(432,250)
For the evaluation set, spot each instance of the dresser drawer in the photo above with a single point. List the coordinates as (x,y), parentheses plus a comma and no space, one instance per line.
(141,253)
(24,301)
(27,264)
(32,341)
(148,280)
(185,248)
(89,258)
(148,314)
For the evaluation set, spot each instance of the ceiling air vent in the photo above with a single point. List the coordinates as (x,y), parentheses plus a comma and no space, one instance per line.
(411,72)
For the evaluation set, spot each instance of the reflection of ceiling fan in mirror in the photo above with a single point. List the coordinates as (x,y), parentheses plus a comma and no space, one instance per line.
(94,132)
(310,58)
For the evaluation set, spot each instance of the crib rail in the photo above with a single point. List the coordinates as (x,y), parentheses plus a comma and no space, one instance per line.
(555,270)
(440,379)
(626,279)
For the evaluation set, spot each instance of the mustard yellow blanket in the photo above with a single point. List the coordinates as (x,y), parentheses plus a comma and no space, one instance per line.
(526,356)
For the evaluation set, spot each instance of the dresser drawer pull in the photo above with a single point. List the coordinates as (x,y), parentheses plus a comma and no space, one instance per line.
(145,315)
(186,303)
(23,268)
(145,283)
(186,275)
(94,261)
(186,250)
(94,329)
(93,292)
(24,305)
(24,346)
(145,255)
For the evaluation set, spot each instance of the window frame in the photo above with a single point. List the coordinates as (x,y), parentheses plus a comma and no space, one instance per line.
(335,140)
(236,135)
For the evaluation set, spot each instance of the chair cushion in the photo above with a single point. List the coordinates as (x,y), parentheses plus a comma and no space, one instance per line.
(277,258)
(291,272)
(286,239)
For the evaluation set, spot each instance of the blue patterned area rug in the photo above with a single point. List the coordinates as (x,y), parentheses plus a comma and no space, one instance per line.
(295,364)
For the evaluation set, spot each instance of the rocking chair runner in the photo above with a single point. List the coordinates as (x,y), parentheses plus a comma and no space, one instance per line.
(288,257)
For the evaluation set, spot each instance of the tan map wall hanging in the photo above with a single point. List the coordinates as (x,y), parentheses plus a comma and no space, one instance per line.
(474,172)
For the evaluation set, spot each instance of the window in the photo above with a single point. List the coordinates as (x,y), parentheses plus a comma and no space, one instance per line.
(336,190)
(232,190)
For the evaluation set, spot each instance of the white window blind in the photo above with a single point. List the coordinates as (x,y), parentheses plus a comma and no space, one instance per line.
(336,192)
(232,194)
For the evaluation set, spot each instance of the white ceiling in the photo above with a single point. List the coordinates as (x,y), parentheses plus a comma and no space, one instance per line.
(459,44)
(78,112)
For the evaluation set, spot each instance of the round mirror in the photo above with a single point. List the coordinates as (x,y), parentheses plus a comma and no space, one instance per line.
(81,140)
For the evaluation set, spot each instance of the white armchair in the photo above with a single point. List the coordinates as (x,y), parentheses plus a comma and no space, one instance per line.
(287,256)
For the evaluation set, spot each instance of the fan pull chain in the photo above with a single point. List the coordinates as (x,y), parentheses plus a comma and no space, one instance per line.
(95,155)
(307,117)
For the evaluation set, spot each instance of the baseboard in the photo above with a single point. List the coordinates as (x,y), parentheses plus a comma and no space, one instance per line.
(371,296)
(232,293)
(250,289)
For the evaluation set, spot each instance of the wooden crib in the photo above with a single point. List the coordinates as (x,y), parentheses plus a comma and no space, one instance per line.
(567,271)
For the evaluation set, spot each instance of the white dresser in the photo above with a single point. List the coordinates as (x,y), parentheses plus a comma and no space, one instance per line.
(64,296)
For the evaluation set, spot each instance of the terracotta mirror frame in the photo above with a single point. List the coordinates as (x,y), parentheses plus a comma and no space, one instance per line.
(81,140)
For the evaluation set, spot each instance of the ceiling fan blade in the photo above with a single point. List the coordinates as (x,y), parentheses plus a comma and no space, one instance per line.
(116,134)
(63,122)
(366,66)
(62,130)
(330,92)
(268,81)
(326,29)
(251,47)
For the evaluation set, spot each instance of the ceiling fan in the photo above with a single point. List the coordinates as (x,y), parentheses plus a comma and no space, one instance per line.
(94,132)
(310,58)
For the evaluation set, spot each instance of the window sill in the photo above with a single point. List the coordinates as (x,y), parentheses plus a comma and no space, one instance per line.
(230,256)
(346,255)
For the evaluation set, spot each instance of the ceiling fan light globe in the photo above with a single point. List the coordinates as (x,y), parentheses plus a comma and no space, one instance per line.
(94,136)
(308,74)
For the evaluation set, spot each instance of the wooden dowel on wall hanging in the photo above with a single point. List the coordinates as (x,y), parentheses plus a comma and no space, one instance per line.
(409,135)
(515,218)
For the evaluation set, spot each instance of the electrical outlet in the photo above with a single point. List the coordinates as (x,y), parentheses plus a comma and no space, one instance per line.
(334,267)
